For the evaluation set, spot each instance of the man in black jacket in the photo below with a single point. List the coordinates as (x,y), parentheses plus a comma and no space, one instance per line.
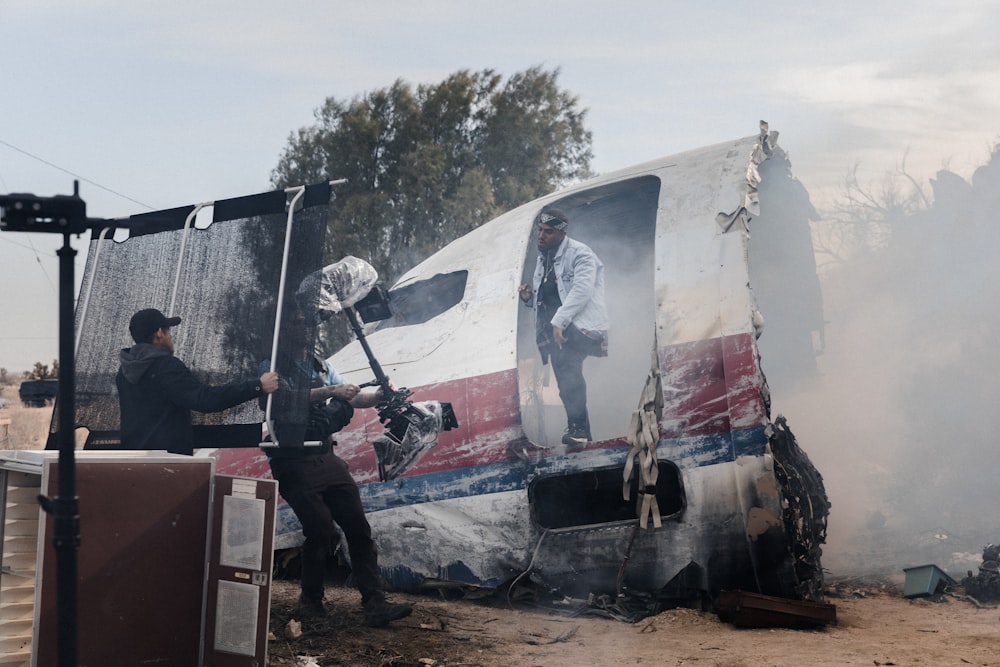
(316,483)
(157,392)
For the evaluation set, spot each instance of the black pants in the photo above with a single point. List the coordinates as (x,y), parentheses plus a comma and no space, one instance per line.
(320,490)
(567,364)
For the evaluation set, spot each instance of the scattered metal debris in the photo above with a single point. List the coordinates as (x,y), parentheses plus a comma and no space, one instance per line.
(565,636)
(985,586)
(806,508)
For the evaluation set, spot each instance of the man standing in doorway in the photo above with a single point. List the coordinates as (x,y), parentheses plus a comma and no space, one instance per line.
(157,392)
(571,321)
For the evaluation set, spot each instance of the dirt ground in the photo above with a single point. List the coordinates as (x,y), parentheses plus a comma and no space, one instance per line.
(875,625)
(21,427)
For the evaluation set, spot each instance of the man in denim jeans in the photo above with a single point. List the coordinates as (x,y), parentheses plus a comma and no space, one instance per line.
(571,321)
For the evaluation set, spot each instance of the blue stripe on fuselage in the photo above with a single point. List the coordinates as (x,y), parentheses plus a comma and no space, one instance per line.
(499,477)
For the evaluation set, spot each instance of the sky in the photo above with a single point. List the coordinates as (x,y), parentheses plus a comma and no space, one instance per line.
(157,105)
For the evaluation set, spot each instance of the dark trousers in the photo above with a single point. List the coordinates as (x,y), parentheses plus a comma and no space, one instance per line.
(567,364)
(320,490)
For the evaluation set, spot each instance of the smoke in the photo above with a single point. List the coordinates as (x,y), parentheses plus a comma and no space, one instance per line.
(898,414)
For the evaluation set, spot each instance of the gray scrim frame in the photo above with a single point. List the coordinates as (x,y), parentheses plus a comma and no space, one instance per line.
(220,280)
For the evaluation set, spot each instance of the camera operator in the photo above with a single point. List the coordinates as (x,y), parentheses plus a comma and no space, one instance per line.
(318,486)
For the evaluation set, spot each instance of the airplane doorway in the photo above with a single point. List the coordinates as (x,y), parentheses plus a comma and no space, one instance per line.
(618,221)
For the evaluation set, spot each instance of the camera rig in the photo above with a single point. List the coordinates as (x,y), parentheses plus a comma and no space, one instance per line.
(23,212)
(411,428)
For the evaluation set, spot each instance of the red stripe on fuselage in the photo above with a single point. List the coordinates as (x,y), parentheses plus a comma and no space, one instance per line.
(710,387)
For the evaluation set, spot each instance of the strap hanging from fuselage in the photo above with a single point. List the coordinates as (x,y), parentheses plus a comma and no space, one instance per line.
(643,437)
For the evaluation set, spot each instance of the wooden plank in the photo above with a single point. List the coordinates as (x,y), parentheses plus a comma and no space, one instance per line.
(18,659)
(21,527)
(23,494)
(22,564)
(753,610)
(18,594)
(16,628)
(23,544)
(18,644)
(22,510)
(16,612)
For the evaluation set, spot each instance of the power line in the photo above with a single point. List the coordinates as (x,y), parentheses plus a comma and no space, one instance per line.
(19,245)
(42,266)
(74,175)
(31,246)
(78,261)
(28,337)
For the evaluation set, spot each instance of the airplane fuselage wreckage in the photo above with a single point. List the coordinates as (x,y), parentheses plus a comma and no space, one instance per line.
(688,488)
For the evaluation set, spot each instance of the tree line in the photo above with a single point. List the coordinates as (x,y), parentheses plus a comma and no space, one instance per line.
(39,372)
(425,165)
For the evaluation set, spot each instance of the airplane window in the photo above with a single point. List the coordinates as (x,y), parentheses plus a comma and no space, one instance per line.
(415,303)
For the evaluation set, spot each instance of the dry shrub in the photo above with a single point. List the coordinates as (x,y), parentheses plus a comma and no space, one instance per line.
(28,428)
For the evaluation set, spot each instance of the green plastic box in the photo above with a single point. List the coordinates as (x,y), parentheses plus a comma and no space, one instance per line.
(924,580)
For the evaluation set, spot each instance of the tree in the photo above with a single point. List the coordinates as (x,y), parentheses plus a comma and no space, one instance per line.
(42,372)
(426,166)
(866,216)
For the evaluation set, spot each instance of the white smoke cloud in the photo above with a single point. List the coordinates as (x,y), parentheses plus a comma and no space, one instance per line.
(899,417)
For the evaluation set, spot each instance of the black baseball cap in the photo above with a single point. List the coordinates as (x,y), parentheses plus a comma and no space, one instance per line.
(146,322)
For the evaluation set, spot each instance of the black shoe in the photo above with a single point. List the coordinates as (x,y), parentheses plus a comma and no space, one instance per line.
(575,437)
(307,609)
(379,613)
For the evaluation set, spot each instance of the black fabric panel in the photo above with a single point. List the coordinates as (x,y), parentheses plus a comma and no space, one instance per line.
(317,194)
(265,203)
(114,224)
(142,224)
(297,334)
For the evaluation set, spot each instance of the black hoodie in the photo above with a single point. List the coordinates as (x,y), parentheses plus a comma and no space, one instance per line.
(156,394)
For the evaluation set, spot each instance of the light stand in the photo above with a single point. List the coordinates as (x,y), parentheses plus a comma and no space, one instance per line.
(65,214)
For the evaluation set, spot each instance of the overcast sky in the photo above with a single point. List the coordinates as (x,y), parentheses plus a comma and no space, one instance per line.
(156,105)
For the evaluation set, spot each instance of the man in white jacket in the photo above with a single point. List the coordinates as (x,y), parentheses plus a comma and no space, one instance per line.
(571,321)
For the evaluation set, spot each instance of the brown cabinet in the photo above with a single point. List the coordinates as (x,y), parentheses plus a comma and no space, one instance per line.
(173,566)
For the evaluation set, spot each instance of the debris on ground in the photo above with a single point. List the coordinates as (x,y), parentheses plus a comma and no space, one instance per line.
(746,609)
(293,630)
(985,585)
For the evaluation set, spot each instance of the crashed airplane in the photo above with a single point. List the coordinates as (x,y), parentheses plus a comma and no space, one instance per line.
(689,487)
